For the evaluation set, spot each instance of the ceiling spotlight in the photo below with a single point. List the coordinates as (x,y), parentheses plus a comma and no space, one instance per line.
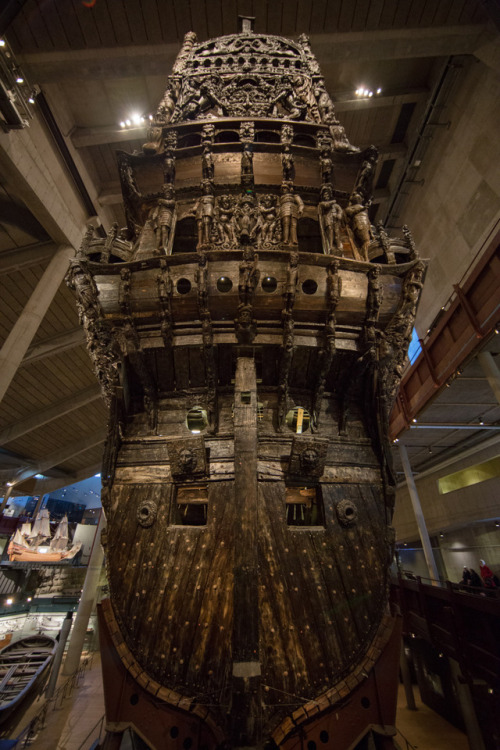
(136,119)
(122,124)
(414,420)
(31,99)
(379,90)
(128,123)
(19,79)
(2,42)
(396,440)
(370,93)
(150,117)
(481,421)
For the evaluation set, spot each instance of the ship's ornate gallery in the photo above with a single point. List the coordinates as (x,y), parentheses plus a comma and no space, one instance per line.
(249,390)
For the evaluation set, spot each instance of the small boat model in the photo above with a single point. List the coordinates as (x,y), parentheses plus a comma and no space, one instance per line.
(35,543)
(23,667)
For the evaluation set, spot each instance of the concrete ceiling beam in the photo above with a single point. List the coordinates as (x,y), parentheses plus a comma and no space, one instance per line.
(25,257)
(67,452)
(34,486)
(157,60)
(55,345)
(50,413)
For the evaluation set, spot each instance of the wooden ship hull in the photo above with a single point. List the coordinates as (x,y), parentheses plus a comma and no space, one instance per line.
(24,666)
(249,343)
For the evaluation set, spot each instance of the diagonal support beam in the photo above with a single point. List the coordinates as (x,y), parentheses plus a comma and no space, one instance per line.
(54,411)
(21,335)
(34,486)
(25,257)
(60,456)
(55,345)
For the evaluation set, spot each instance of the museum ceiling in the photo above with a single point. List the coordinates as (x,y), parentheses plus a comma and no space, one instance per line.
(101,63)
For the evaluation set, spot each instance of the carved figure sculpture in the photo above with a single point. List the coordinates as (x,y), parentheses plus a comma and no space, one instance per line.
(364,183)
(286,134)
(268,222)
(204,212)
(163,216)
(225,222)
(325,104)
(207,164)
(287,164)
(357,215)
(289,99)
(245,220)
(326,166)
(291,209)
(169,167)
(247,165)
(330,219)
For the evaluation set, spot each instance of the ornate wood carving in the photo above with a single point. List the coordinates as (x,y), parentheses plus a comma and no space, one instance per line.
(308,457)
(187,457)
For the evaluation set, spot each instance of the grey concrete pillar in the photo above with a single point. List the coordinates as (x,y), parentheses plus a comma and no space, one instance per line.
(474,735)
(17,342)
(491,371)
(419,516)
(87,601)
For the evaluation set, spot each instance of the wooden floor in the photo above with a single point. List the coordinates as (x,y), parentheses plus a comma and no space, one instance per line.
(69,724)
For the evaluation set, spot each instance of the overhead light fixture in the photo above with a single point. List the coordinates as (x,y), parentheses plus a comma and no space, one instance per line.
(414,420)
(19,78)
(2,42)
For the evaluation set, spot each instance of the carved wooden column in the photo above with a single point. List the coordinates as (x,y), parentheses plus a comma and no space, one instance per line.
(245,637)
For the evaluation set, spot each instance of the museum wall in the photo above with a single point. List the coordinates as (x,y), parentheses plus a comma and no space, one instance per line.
(453,213)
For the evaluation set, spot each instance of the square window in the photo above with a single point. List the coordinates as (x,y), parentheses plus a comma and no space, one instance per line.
(191,506)
(304,507)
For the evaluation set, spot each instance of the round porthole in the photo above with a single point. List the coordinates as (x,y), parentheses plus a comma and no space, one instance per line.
(309,286)
(298,420)
(134,699)
(311,745)
(196,420)
(174,732)
(183,286)
(188,743)
(324,736)
(224,284)
(365,702)
(269,284)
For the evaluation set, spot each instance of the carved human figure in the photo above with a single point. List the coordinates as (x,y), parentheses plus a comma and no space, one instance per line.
(247,132)
(245,220)
(286,134)
(163,218)
(249,275)
(169,167)
(304,91)
(326,167)
(268,219)
(287,164)
(330,219)
(204,212)
(225,223)
(187,461)
(207,164)
(247,162)
(291,209)
(340,139)
(374,296)
(325,104)
(357,215)
(292,278)
(364,183)
(289,100)
(108,242)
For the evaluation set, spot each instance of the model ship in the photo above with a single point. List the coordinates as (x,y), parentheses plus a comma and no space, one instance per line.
(35,542)
(249,328)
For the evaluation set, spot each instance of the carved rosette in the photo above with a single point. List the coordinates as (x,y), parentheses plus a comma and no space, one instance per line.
(346,512)
(146,513)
